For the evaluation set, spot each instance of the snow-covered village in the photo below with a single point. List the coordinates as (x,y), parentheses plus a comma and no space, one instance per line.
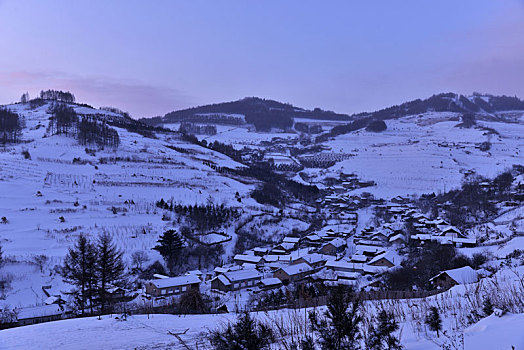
(193,217)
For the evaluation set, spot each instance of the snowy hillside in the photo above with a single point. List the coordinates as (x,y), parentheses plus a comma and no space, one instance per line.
(64,189)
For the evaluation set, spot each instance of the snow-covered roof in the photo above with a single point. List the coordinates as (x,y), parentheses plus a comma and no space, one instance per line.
(175,281)
(288,239)
(271,281)
(390,256)
(241,275)
(400,236)
(248,258)
(39,311)
(296,269)
(338,242)
(462,275)
(359,258)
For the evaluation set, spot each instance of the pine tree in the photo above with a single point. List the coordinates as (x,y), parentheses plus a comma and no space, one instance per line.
(433,320)
(487,306)
(382,336)
(110,267)
(339,328)
(170,245)
(79,269)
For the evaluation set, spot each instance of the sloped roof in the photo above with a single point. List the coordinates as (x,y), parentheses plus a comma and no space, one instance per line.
(390,255)
(175,281)
(248,258)
(292,270)
(39,311)
(462,275)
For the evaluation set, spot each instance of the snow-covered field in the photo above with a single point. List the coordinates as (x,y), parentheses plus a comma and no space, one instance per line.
(425,154)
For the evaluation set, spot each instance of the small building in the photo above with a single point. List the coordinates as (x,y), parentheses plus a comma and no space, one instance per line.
(449,278)
(269,283)
(235,280)
(293,273)
(336,246)
(387,259)
(39,314)
(172,286)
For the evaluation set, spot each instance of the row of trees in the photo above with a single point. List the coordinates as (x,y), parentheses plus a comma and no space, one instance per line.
(87,130)
(202,217)
(93,267)
(10,126)
(56,95)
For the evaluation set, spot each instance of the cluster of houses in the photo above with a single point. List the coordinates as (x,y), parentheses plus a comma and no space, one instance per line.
(329,256)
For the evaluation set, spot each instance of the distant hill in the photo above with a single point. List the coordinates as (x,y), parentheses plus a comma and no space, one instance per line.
(264,114)
(476,106)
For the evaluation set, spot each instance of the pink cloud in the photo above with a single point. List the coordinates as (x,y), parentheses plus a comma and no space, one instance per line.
(141,100)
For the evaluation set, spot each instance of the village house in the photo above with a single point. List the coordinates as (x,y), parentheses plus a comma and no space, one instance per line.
(336,246)
(172,286)
(293,273)
(388,259)
(235,280)
(449,278)
(269,283)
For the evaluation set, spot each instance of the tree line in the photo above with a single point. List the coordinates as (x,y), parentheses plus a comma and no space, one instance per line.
(10,126)
(203,217)
(57,95)
(87,130)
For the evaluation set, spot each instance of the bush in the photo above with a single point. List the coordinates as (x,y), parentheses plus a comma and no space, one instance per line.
(245,334)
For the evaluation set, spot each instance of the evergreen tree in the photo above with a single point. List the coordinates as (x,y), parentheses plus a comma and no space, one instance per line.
(245,334)
(110,267)
(487,306)
(433,320)
(170,245)
(382,337)
(79,269)
(339,328)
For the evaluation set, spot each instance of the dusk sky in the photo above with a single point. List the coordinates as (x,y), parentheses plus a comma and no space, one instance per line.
(152,57)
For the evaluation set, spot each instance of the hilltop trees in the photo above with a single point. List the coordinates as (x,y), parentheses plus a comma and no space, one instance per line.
(25,98)
(92,268)
(57,95)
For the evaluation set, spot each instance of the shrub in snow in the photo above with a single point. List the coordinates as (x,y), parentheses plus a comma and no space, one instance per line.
(245,334)
(382,335)
(433,320)
(339,327)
